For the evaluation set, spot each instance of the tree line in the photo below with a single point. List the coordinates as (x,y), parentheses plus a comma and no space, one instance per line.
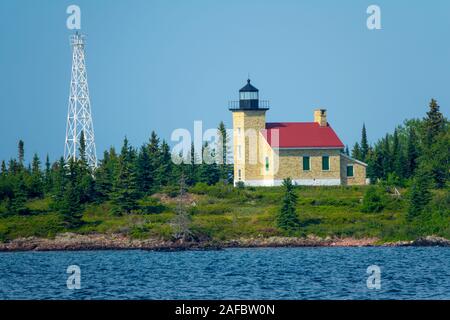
(123,178)
(415,155)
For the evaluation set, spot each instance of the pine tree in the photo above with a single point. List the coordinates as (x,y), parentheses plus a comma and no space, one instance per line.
(125,194)
(435,149)
(105,175)
(192,167)
(364,144)
(222,153)
(420,194)
(397,156)
(144,171)
(439,159)
(356,151)
(85,182)
(21,153)
(154,154)
(71,208)
(48,178)
(208,172)
(3,170)
(165,169)
(386,156)
(434,123)
(16,204)
(412,154)
(347,152)
(60,182)
(287,218)
(37,183)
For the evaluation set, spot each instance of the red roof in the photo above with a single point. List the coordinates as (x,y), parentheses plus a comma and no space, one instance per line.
(301,135)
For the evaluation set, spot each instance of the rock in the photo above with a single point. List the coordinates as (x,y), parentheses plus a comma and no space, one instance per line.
(430,241)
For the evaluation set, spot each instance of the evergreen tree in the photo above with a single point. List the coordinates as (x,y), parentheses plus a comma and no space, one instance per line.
(420,194)
(434,123)
(222,153)
(398,158)
(386,156)
(165,169)
(71,208)
(435,149)
(287,218)
(125,194)
(438,159)
(412,154)
(3,170)
(60,183)
(356,151)
(48,178)
(208,171)
(364,144)
(347,152)
(16,204)
(37,183)
(82,147)
(85,181)
(105,175)
(155,157)
(144,170)
(21,153)
(191,168)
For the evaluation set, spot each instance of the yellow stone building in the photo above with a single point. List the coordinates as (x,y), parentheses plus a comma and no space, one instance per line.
(310,153)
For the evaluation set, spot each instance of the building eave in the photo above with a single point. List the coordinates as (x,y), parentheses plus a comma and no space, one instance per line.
(353,159)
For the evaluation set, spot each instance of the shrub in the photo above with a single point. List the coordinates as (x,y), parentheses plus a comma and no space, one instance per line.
(171,191)
(200,188)
(240,185)
(151,205)
(373,200)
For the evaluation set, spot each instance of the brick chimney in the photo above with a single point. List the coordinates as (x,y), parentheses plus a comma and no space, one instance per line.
(320,116)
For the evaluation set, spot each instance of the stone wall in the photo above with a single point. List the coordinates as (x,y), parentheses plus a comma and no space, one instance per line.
(359,171)
(291,164)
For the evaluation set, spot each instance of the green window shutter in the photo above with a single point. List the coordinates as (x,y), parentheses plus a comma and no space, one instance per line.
(267,163)
(306,163)
(325,163)
(350,171)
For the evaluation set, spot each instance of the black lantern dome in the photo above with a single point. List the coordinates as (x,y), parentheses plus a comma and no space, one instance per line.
(248,100)
(248,97)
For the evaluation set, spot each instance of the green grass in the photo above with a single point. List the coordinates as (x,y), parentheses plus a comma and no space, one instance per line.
(224,212)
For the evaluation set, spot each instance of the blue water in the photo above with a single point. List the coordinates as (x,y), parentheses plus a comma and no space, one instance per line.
(272,273)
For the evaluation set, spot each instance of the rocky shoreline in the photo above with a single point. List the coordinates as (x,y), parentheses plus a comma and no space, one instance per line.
(76,242)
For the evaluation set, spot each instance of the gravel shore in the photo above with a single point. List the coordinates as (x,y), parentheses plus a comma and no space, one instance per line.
(71,241)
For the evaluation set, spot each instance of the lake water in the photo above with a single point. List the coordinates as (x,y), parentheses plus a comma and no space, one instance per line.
(272,273)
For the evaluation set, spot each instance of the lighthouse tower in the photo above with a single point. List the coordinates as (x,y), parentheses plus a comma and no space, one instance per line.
(249,120)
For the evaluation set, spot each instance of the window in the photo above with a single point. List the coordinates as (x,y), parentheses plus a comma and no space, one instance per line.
(267,163)
(350,170)
(306,163)
(239,152)
(239,174)
(325,163)
(249,95)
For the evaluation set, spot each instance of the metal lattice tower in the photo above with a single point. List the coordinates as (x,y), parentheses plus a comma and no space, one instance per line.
(79,118)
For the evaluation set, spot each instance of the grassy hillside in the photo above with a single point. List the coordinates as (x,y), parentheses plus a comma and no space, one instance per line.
(223,212)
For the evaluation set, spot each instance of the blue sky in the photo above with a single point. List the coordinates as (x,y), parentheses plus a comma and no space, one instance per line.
(159,65)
